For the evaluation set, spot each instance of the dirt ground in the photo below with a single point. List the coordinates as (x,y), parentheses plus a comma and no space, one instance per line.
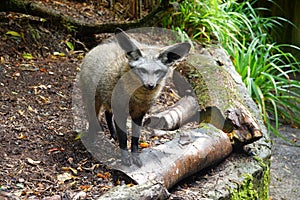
(40,153)
(285,163)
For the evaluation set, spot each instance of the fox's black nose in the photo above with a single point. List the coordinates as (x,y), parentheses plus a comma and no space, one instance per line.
(150,86)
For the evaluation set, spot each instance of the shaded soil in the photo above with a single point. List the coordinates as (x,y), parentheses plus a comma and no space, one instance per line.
(285,163)
(40,153)
(37,143)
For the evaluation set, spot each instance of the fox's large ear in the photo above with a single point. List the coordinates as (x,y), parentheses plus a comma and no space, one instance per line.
(174,53)
(132,51)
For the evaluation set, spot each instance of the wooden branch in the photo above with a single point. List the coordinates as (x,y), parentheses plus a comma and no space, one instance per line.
(82,28)
(182,112)
(185,155)
(246,129)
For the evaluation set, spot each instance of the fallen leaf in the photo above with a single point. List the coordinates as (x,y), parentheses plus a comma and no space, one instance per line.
(78,136)
(16,74)
(43,70)
(63,108)
(99,175)
(70,45)
(106,175)
(70,169)
(33,162)
(85,187)
(30,109)
(21,112)
(27,56)
(20,185)
(64,177)
(22,136)
(130,184)
(55,149)
(59,54)
(144,145)
(13,33)
(104,188)
(44,99)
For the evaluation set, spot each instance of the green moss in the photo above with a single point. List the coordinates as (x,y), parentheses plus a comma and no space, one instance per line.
(265,181)
(254,187)
(245,190)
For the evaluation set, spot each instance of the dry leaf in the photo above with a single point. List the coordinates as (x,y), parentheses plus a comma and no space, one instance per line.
(70,169)
(33,162)
(64,177)
(43,87)
(106,175)
(43,70)
(16,74)
(62,108)
(30,108)
(44,99)
(21,112)
(55,149)
(130,184)
(99,175)
(104,188)
(22,136)
(85,187)
(144,145)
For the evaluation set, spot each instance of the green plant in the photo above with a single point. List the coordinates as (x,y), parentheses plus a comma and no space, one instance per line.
(207,21)
(266,69)
(268,73)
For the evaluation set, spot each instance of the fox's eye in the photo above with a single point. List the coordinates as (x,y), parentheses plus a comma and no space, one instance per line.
(158,72)
(142,71)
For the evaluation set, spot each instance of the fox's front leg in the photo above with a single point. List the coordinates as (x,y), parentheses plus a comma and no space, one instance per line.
(122,138)
(136,124)
(110,124)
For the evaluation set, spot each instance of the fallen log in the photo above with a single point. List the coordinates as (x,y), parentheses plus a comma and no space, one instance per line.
(183,156)
(221,95)
(184,111)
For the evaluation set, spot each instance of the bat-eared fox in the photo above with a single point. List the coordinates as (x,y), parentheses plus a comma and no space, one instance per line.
(123,77)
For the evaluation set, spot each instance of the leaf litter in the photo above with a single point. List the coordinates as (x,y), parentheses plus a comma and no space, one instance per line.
(40,156)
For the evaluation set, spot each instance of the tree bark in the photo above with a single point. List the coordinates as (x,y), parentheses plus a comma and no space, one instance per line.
(184,111)
(183,156)
(221,94)
(169,163)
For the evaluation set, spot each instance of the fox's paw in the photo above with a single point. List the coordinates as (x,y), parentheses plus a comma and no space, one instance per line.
(136,159)
(114,135)
(125,157)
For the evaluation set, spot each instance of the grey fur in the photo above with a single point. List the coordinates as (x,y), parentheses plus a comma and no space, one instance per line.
(124,77)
